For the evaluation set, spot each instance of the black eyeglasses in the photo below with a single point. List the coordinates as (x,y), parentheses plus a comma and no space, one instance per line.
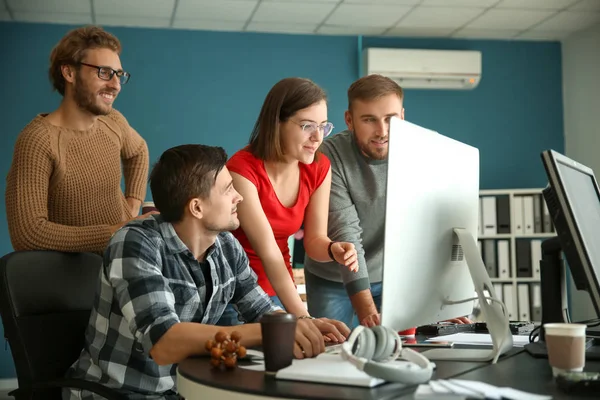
(107,73)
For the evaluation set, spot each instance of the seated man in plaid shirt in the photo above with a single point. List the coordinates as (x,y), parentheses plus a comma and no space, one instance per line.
(167,279)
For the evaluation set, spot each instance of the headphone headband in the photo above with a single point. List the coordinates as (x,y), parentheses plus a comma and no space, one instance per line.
(372,349)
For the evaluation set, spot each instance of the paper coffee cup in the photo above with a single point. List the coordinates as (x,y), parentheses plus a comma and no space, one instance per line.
(566,347)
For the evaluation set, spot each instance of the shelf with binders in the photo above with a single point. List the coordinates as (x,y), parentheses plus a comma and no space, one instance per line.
(519,236)
(535,235)
(514,213)
(512,225)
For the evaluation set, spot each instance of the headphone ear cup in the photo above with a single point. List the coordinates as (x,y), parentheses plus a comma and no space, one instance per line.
(385,343)
(366,344)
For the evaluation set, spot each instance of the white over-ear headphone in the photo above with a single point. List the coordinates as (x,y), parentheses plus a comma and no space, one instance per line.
(369,349)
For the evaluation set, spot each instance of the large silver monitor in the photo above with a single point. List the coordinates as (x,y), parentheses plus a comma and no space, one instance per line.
(431,224)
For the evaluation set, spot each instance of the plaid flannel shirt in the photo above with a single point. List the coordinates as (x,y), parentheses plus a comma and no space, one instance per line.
(150,281)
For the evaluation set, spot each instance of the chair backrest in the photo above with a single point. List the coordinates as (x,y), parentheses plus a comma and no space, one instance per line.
(45,302)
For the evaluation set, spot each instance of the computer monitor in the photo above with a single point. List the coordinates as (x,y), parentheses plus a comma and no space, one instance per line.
(431,226)
(573,201)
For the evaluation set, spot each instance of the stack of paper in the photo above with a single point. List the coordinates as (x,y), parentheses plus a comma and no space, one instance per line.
(327,368)
(463,389)
(333,369)
(481,339)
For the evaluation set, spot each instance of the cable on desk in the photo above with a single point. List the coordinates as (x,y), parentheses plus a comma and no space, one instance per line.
(533,335)
(591,323)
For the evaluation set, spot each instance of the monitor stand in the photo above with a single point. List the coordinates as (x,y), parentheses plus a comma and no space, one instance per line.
(555,308)
(494,314)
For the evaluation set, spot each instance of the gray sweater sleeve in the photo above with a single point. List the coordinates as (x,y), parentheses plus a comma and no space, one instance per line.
(344,223)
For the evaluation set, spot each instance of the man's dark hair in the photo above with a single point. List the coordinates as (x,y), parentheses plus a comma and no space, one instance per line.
(182,173)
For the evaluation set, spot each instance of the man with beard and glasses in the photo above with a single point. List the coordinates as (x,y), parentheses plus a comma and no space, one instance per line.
(357,206)
(167,279)
(63,189)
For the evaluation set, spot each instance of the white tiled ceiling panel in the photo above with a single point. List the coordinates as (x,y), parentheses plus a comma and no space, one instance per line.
(44,6)
(4,15)
(569,21)
(508,19)
(222,10)
(367,15)
(440,17)
(536,4)
(135,8)
(480,19)
(292,12)
(122,20)
(52,17)
(586,5)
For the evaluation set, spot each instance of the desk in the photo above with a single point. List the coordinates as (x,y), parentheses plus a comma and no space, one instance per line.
(522,372)
(196,379)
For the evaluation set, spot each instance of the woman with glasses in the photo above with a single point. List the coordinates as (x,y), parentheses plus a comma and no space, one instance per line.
(285,182)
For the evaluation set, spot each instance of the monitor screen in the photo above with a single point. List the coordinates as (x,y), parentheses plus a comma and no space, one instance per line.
(432,188)
(573,200)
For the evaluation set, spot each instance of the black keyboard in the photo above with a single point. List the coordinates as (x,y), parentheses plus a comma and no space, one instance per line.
(516,327)
(444,329)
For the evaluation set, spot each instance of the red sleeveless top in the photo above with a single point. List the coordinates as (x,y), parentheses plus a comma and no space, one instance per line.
(285,221)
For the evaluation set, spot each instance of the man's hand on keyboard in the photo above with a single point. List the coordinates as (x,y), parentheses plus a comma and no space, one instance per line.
(460,320)
(336,331)
(371,320)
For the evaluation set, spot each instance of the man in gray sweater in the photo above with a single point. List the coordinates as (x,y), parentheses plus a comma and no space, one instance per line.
(357,205)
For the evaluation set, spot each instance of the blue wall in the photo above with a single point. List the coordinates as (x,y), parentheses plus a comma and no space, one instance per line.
(207,87)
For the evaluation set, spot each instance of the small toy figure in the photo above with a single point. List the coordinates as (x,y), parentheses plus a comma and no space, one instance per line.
(226,349)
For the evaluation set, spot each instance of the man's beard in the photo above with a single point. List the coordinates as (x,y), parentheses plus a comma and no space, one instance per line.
(87,100)
(373,153)
(233,225)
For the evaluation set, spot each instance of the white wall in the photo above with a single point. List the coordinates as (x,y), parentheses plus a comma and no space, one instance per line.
(581,97)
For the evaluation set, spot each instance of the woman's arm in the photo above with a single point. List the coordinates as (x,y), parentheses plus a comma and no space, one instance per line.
(316,241)
(256,226)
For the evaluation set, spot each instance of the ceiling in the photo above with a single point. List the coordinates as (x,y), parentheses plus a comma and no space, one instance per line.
(478,19)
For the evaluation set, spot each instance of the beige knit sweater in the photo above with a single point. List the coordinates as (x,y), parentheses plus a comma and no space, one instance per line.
(63,189)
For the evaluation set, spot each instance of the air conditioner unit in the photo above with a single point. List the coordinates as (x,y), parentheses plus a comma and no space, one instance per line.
(425,69)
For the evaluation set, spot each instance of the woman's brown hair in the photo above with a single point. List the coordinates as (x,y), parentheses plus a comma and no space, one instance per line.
(285,99)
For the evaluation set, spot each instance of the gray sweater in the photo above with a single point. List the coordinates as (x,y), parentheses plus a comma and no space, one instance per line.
(356,212)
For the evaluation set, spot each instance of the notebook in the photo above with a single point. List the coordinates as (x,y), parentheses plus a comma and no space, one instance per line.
(329,368)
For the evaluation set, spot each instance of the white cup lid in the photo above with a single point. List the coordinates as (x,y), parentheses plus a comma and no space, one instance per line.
(565,329)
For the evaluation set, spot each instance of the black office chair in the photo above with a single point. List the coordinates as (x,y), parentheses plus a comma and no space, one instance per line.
(45,302)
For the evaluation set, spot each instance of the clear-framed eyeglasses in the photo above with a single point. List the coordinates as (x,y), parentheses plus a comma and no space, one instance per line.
(311,127)
(107,73)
